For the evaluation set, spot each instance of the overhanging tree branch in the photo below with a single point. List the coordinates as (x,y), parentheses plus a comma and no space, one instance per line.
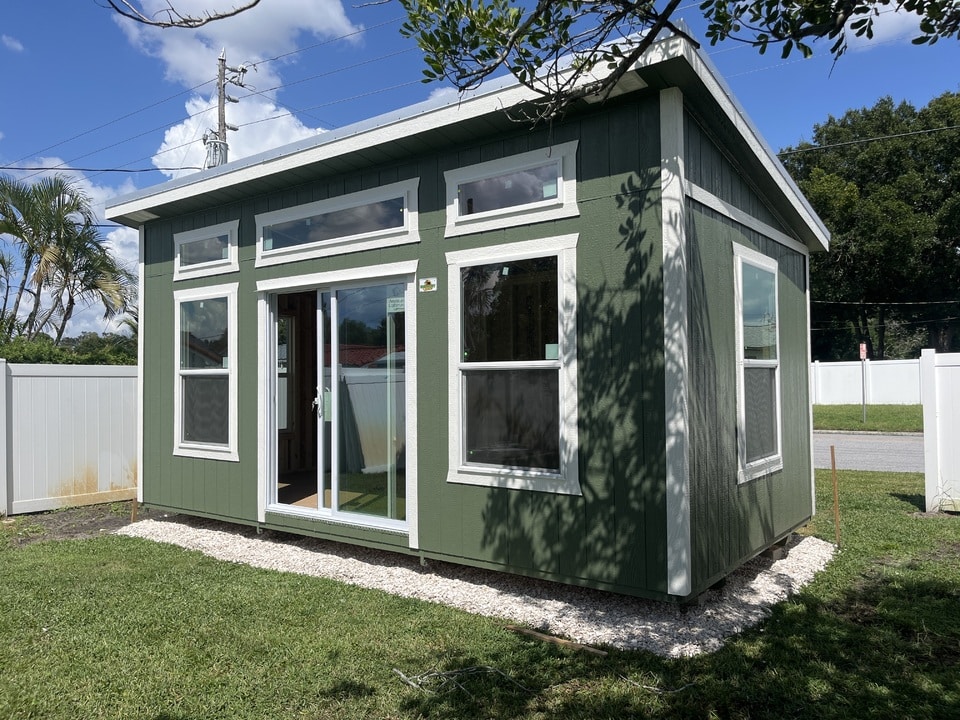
(170,17)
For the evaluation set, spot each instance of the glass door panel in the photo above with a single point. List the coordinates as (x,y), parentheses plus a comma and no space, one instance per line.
(370,392)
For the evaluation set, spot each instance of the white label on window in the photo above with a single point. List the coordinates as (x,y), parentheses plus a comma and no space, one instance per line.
(395,305)
(550,189)
(551,351)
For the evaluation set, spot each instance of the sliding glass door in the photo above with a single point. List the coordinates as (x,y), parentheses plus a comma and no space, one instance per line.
(356,395)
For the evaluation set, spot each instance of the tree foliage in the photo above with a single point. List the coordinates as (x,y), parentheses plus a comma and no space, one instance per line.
(886,181)
(62,260)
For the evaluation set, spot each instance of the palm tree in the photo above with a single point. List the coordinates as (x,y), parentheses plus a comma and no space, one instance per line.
(80,269)
(53,224)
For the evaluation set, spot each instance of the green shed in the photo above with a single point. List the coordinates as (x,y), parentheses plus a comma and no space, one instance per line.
(577,352)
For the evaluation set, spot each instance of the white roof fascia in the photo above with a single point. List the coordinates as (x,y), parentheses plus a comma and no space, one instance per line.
(676,46)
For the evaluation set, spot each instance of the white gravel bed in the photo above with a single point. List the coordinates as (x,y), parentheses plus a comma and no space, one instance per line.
(585,616)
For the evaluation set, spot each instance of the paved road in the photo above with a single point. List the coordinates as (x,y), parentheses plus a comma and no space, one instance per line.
(869,451)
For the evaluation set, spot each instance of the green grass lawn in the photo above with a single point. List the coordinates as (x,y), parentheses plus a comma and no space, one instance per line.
(880,418)
(118,627)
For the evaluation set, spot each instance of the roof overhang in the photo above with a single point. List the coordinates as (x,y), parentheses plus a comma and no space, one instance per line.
(673,62)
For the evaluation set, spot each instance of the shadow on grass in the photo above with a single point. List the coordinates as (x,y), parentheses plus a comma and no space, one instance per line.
(889,647)
(918,501)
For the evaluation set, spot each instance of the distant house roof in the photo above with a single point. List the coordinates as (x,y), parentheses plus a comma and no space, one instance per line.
(672,62)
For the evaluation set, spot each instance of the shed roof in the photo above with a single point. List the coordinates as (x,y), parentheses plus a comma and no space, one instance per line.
(672,62)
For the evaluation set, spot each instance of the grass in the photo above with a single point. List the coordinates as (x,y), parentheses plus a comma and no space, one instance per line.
(880,418)
(118,627)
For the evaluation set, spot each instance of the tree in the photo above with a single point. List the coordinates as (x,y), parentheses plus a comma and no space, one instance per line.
(61,255)
(886,181)
(567,50)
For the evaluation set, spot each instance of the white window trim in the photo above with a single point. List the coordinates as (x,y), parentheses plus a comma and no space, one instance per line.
(563,206)
(206,450)
(230,263)
(407,233)
(772,463)
(567,481)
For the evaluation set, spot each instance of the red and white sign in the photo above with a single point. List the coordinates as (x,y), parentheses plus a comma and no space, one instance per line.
(863,351)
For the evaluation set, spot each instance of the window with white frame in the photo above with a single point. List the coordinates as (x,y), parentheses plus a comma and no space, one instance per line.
(206,251)
(365,220)
(205,400)
(517,190)
(758,366)
(513,366)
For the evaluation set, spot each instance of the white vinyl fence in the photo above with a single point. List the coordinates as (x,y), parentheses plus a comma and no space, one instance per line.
(68,436)
(941,429)
(888,382)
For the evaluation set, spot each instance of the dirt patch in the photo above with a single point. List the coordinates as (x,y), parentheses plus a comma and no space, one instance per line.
(77,523)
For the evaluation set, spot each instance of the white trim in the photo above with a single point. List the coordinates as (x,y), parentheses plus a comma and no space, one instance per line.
(567,481)
(407,232)
(704,197)
(563,155)
(403,272)
(310,281)
(231,263)
(141,395)
(267,452)
(813,465)
(772,463)
(675,348)
(205,450)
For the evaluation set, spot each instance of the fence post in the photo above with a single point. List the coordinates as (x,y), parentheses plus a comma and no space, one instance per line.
(5,475)
(931,429)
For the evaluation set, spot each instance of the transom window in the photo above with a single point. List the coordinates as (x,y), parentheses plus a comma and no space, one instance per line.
(206,251)
(364,220)
(205,413)
(513,383)
(758,377)
(517,190)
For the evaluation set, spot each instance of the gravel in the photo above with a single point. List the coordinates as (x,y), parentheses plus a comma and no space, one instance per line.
(586,616)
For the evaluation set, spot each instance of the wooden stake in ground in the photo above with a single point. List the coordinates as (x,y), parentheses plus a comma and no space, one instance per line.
(836,494)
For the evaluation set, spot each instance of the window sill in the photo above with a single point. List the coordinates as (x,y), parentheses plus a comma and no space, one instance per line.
(512,479)
(759,469)
(207,453)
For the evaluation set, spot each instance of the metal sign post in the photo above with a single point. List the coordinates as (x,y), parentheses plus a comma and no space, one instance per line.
(863,380)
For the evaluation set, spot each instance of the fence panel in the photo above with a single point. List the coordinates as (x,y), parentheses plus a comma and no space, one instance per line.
(941,427)
(70,435)
(888,382)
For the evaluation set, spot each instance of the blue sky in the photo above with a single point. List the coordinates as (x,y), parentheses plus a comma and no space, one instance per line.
(86,91)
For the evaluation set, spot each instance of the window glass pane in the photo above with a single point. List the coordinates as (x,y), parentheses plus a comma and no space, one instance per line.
(206,409)
(509,190)
(383,215)
(760,396)
(510,311)
(511,418)
(205,250)
(759,314)
(203,334)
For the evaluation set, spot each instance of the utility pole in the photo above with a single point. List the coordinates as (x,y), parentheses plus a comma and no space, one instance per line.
(216,140)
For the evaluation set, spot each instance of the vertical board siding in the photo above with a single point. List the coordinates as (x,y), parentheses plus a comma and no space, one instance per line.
(708,167)
(71,435)
(612,535)
(734,521)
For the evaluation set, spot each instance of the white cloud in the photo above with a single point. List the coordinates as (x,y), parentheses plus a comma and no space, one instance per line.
(266,31)
(183,146)
(889,26)
(11,43)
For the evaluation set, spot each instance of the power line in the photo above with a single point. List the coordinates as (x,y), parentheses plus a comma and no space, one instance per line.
(97,170)
(860,141)
(874,304)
